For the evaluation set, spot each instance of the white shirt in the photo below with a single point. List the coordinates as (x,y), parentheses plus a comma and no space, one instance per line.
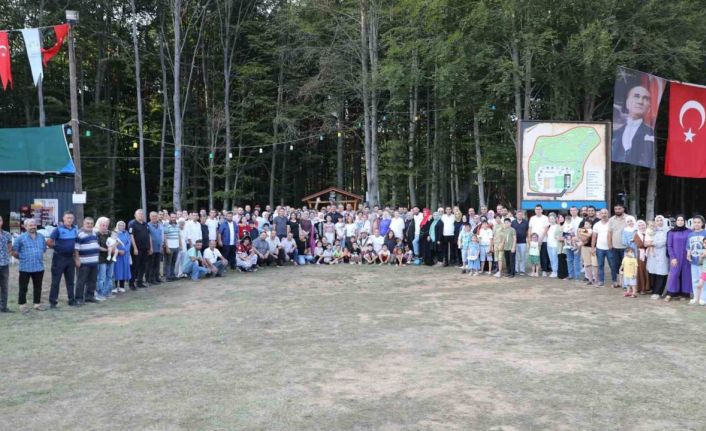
(273,243)
(212,224)
(378,241)
(485,236)
(551,236)
(448,220)
(350,230)
(629,133)
(538,224)
(193,231)
(212,255)
(602,230)
(397,226)
(287,245)
(231,231)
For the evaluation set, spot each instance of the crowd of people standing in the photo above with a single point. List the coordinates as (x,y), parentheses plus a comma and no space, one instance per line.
(664,258)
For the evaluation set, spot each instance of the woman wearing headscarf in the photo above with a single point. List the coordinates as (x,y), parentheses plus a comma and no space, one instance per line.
(638,243)
(628,235)
(425,244)
(657,262)
(679,281)
(121,268)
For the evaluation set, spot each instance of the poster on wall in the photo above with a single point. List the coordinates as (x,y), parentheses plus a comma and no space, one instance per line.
(563,164)
(46,211)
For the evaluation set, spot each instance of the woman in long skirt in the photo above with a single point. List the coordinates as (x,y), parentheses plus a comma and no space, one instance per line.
(657,261)
(121,270)
(643,278)
(679,281)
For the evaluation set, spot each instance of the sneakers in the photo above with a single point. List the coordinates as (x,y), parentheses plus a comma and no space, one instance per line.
(121,290)
(497,275)
(24,308)
(39,307)
(692,302)
(100,298)
(654,296)
(552,275)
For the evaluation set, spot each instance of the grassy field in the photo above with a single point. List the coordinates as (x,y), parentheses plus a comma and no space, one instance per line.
(356,348)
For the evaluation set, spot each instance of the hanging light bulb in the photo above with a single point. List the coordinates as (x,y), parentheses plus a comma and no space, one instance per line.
(71,145)
(321,137)
(340,134)
(291,147)
(230,155)
(260,150)
(134,145)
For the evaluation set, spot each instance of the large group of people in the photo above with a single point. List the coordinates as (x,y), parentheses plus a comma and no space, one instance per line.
(99,260)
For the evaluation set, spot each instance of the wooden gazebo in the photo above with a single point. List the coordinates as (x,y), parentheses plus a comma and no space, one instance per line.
(332,195)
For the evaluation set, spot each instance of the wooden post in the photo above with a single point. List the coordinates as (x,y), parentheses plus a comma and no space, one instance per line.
(78,186)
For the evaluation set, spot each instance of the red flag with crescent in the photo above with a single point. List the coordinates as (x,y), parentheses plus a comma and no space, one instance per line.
(61,31)
(686,143)
(5,67)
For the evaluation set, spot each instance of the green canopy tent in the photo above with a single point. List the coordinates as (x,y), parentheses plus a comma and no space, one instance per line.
(38,150)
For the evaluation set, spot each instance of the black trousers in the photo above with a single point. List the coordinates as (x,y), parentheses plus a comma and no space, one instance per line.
(229,253)
(4,283)
(37,278)
(448,245)
(152,271)
(658,282)
(86,282)
(139,267)
(269,260)
(510,262)
(62,265)
(544,261)
(280,256)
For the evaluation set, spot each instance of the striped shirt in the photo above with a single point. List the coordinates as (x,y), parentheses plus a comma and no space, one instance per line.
(30,251)
(172,233)
(87,247)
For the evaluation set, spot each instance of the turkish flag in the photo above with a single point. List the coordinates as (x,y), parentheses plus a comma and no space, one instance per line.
(5,68)
(686,143)
(47,54)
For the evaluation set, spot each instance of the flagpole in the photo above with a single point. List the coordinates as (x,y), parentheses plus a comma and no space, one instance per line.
(72,19)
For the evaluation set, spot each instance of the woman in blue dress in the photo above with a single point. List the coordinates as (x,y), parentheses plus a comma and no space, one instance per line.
(121,271)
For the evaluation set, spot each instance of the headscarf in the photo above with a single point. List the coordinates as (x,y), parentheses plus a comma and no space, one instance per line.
(627,228)
(677,228)
(426,213)
(432,230)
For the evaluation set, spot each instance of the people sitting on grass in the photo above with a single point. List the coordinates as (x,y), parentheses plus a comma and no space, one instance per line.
(572,247)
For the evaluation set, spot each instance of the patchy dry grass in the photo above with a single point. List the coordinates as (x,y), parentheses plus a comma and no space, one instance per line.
(356,348)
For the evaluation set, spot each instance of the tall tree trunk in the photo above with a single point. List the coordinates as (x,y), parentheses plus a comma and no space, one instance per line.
(411,139)
(516,80)
(479,162)
(165,115)
(339,146)
(528,85)
(138,95)
(275,128)
(176,100)
(364,78)
(40,103)
(373,51)
(427,185)
(634,196)
(434,201)
(651,196)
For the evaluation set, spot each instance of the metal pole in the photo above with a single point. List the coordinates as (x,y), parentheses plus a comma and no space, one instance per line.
(78,187)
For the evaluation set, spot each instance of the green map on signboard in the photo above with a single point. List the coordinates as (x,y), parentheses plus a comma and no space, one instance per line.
(557,162)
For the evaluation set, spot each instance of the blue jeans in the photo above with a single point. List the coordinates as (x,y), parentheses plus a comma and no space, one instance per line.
(415,245)
(303,259)
(553,258)
(695,277)
(105,279)
(615,259)
(194,270)
(600,257)
(573,261)
(521,258)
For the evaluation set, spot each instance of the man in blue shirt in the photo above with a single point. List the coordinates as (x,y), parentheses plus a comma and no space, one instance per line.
(5,251)
(63,241)
(228,238)
(29,248)
(156,230)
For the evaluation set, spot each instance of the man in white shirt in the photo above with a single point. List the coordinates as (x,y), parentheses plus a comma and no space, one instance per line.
(193,230)
(228,238)
(215,263)
(275,247)
(448,242)
(397,225)
(377,240)
(600,245)
(539,224)
(212,224)
(290,248)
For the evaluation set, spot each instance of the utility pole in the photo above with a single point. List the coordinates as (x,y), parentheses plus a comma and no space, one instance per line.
(72,19)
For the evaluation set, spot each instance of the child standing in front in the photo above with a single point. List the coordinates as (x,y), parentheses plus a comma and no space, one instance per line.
(533,255)
(464,243)
(629,270)
(474,255)
(699,288)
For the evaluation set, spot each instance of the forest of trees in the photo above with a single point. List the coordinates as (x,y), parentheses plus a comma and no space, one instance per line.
(411,101)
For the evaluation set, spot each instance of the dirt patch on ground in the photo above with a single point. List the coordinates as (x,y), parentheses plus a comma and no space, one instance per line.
(357,348)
